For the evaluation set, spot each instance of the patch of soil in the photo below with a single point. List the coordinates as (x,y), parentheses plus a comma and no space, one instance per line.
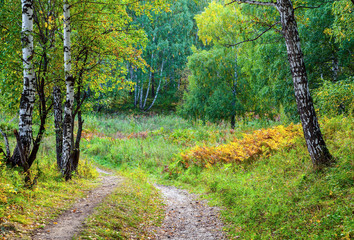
(70,222)
(187,217)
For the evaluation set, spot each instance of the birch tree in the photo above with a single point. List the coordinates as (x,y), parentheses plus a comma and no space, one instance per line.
(28,92)
(315,144)
(171,35)
(69,82)
(103,38)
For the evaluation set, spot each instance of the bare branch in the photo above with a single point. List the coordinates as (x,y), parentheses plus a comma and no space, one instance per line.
(320,5)
(311,7)
(250,40)
(252,2)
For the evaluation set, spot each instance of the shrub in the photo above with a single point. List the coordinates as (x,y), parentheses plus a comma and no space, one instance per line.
(333,99)
(259,143)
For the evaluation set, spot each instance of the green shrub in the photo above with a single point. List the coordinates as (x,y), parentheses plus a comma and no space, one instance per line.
(333,99)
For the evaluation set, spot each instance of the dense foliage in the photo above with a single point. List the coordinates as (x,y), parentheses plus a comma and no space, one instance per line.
(224,73)
(262,64)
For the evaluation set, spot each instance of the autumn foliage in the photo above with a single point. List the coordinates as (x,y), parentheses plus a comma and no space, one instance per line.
(260,143)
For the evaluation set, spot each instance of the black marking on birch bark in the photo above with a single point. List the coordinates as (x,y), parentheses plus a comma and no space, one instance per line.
(58,123)
(316,146)
(26,7)
(67,49)
(24,39)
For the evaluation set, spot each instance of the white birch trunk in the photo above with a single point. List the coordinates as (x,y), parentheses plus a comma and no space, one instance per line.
(28,92)
(234,88)
(136,87)
(148,89)
(69,81)
(58,123)
(158,87)
(315,144)
(141,94)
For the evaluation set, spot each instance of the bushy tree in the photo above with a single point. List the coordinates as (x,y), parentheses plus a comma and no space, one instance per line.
(214,90)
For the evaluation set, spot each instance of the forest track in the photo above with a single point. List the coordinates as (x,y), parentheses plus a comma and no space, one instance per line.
(68,224)
(187,217)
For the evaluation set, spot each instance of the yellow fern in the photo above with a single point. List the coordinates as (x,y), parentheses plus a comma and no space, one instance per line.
(260,143)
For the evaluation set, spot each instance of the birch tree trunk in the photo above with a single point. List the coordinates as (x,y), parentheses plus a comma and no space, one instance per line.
(136,87)
(158,88)
(153,85)
(147,91)
(234,87)
(69,82)
(28,92)
(141,93)
(315,144)
(58,124)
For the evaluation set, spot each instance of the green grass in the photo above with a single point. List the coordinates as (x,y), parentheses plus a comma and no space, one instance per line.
(151,142)
(280,197)
(128,213)
(24,208)
(110,124)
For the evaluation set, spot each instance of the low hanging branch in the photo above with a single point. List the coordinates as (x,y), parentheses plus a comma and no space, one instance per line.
(273,4)
(253,2)
(253,39)
(311,7)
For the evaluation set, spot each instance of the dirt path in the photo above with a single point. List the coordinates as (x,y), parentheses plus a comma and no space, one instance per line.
(70,222)
(187,217)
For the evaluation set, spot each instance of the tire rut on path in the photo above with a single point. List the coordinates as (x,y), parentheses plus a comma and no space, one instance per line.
(68,224)
(187,217)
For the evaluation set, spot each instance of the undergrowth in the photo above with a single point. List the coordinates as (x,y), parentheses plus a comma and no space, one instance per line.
(25,207)
(277,195)
(261,143)
(281,196)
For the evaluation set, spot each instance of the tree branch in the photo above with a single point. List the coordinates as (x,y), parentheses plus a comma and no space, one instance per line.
(311,7)
(252,2)
(250,40)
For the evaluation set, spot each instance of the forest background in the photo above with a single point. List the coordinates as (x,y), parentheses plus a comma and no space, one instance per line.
(142,65)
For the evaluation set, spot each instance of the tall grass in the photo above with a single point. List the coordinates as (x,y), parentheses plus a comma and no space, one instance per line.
(276,197)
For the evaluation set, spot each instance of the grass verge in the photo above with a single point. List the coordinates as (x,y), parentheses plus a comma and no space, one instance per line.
(25,208)
(128,213)
(278,196)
